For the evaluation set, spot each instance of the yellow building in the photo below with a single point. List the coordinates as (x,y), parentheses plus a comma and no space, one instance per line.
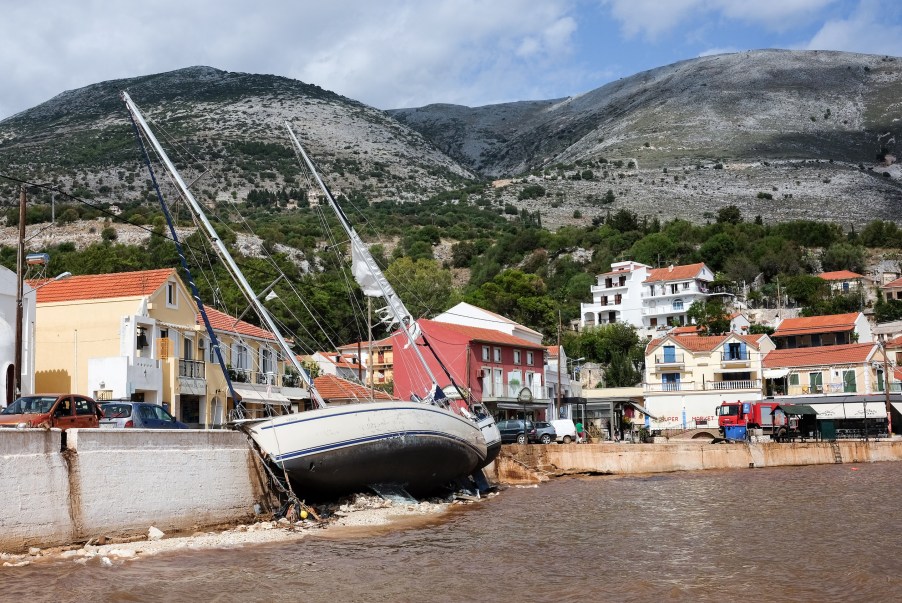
(135,336)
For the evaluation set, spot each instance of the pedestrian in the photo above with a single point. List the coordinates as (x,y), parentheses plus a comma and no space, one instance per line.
(580,435)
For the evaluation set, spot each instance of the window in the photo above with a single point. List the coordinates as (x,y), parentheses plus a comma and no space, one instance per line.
(485,353)
(848,382)
(815,383)
(675,288)
(794,379)
(239,356)
(516,356)
(685,286)
(653,322)
(213,354)
(497,354)
(651,291)
(171,295)
(83,407)
(187,349)
(678,304)
(529,358)
(669,353)
(266,360)
(670,382)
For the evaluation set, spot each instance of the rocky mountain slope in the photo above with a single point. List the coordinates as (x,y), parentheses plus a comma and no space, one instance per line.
(803,127)
(781,134)
(227,126)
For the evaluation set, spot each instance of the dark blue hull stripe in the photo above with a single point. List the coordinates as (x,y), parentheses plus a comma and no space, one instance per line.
(375,438)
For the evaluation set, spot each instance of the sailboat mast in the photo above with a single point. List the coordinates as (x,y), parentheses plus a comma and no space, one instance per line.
(221,250)
(395,306)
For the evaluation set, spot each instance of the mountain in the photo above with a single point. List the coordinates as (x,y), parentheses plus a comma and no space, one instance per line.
(228,127)
(802,127)
(780,134)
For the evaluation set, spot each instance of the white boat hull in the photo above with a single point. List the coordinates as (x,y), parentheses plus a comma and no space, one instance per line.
(343,449)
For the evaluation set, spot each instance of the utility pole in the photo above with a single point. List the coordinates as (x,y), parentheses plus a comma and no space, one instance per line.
(560,357)
(886,383)
(20,278)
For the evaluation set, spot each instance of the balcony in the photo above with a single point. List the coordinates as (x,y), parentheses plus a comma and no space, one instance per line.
(192,369)
(672,360)
(735,359)
(695,386)
(740,384)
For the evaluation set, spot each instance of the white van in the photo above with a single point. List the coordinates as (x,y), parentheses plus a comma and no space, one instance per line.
(565,429)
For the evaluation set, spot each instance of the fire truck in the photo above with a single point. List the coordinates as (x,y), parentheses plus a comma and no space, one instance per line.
(753,415)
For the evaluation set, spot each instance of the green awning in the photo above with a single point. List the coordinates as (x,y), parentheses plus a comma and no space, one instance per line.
(796,409)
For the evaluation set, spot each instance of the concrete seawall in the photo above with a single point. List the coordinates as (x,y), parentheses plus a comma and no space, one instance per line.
(535,463)
(121,482)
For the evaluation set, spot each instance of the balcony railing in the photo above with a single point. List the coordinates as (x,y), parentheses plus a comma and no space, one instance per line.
(827,388)
(740,384)
(669,359)
(688,386)
(736,356)
(192,369)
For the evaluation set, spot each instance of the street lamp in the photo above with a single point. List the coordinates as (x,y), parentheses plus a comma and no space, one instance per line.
(575,365)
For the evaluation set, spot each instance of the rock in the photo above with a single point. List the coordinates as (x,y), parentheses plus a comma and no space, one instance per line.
(34,551)
(154,534)
(105,562)
(125,553)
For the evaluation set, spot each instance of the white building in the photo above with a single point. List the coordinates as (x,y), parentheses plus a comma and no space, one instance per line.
(648,298)
(8,294)
(469,315)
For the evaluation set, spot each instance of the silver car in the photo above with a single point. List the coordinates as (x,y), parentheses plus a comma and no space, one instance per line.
(545,433)
(140,415)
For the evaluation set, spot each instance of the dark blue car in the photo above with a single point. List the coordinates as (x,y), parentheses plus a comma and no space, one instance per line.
(140,415)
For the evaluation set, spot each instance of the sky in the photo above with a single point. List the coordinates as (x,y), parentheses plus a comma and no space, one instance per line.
(408,53)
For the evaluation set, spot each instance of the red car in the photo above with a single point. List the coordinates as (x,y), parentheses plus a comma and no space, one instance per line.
(52,410)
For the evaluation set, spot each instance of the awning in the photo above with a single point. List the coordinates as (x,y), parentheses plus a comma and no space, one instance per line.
(775,373)
(261,396)
(643,410)
(520,406)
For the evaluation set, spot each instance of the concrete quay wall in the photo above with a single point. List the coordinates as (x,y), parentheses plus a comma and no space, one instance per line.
(534,462)
(121,482)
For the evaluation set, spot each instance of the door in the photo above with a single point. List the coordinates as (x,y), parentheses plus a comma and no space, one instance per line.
(85,412)
(669,353)
(815,383)
(63,413)
(849,385)
(671,382)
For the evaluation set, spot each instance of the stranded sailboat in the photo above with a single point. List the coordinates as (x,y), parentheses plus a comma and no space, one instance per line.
(420,445)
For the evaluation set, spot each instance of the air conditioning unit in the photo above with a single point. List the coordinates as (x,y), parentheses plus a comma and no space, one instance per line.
(201,344)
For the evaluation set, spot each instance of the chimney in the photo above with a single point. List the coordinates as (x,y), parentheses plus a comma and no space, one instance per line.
(670,269)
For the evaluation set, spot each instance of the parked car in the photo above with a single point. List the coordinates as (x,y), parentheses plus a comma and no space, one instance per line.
(545,432)
(565,429)
(63,411)
(514,430)
(140,415)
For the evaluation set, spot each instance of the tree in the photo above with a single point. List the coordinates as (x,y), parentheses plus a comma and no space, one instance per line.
(807,289)
(729,215)
(423,284)
(843,256)
(710,315)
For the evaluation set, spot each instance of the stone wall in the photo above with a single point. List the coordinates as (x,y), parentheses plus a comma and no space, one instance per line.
(533,463)
(121,482)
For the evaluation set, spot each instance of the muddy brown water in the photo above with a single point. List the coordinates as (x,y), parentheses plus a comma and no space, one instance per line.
(824,533)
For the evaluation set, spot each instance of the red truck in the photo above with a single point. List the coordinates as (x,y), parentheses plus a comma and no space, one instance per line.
(753,414)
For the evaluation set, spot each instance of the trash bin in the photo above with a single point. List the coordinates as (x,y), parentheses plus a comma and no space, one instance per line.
(734,432)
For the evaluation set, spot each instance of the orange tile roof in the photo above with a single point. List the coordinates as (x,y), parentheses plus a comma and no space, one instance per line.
(828,355)
(331,387)
(894,342)
(703,343)
(103,286)
(840,275)
(687,330)
(482,335)
(674,273)
(220,321)
(895,283)
(365,344)
(553,351)
(816,324)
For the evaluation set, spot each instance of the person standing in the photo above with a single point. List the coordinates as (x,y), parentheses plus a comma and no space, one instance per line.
(580,435)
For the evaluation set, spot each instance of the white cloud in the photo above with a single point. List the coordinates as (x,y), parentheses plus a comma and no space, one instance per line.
(388,54)
(652,18)
(866,30)
(713,51)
